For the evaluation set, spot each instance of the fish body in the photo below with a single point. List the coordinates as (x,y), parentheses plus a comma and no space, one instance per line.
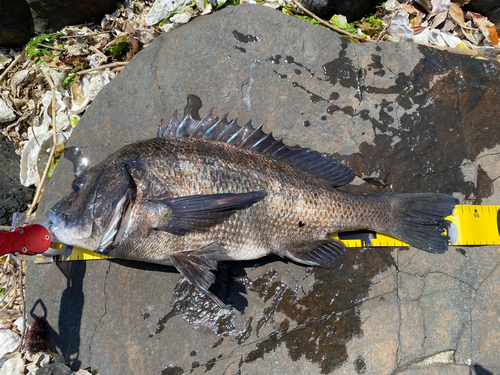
(207,190)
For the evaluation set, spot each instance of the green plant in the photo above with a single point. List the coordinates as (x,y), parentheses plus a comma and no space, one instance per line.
(69,79)
(342,24)
(221,4)
(33,49)
(375,20)
(119,47)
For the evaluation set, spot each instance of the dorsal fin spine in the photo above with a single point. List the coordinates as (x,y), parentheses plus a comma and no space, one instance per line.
(260,141)
(183,122)
(244,141)
(275,142)
(251,139)
(235,134)
(200,123)
(211,128)
(278,150)
(224,119)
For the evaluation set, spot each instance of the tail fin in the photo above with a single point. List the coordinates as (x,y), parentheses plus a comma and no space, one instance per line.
(419,220)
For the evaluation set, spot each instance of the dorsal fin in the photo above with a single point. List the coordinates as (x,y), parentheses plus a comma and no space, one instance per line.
(252,139)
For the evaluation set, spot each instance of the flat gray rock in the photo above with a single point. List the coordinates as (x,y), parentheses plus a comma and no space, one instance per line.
(403,118)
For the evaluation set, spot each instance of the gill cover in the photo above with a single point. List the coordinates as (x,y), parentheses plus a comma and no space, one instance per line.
(96,213)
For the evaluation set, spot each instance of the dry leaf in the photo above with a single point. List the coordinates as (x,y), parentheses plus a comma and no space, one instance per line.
(418,16)
(456,13)
(439,19)
(410,9)
(132,42)
(469,37)
(483,22)
(493,35)
(418,29)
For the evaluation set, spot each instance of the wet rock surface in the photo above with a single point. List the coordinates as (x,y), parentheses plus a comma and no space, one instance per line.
(13,196)
(403,118)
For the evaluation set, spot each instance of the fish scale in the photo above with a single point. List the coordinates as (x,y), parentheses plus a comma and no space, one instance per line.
(206,190)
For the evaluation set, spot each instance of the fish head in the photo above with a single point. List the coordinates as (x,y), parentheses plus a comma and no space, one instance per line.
(96,213)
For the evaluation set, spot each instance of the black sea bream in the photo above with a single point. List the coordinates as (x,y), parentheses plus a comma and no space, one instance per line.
(207,190)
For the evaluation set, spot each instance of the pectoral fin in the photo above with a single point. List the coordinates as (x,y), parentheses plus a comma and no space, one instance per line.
(319,253)
(197,267)
(200,212)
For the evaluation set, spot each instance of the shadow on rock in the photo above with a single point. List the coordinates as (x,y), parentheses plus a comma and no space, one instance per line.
(317,325)
(480,370)
(67,341)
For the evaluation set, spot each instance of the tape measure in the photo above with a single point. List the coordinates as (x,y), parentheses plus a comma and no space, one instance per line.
(470,225)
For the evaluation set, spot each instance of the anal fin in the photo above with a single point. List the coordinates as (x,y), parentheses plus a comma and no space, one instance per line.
(320,253)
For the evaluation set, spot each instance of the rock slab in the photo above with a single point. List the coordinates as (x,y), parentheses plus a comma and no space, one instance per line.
(16,23)
(13,196)
(402,117)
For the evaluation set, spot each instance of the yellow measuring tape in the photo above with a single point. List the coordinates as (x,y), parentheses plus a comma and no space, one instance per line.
(470,225)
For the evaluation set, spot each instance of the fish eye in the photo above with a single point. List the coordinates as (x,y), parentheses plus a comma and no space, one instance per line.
(78,183)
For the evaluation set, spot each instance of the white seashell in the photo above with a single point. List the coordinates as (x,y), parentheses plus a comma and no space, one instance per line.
(162,9)
(58,78)
(95,60)
(9,341)
(35,155)
(181,18)
(436,38)
(144,36)
(14,365)
(207,10)
(450,39)
(19,323)
(78,49)
(21,79)
(47,102)
(400,27)
(6,113)
(166,27)
(98,81)
(29,160)
(80,96)
(4,60)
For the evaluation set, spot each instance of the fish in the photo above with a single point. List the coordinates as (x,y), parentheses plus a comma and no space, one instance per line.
(207,190)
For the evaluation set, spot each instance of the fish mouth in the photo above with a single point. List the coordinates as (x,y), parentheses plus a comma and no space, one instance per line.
(56,223)
(119,223)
